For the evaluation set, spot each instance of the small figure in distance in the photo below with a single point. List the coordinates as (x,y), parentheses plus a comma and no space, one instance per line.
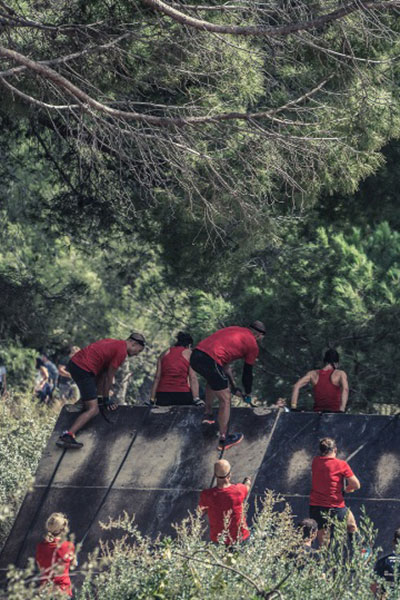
(51,369)
(175,382)
(55,555)
(388,567)
(3,378)
(330,386)
(212,357)
(93,369)
(329,475)
(280,404)
(43,389)
(223,505)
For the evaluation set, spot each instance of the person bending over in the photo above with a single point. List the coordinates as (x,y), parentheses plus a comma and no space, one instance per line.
(175,382)
(223,505)
(329,475)
(55,555)
(212,357)
(330,386)
(93,369)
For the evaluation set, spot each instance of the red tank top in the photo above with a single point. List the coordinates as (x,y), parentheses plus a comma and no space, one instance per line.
(174,371)
(326,395)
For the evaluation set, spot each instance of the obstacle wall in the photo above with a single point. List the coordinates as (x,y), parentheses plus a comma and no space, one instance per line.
(154,463)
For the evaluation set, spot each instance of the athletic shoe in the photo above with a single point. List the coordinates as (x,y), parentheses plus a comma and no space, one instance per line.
(66,440)
(198,402)
(208,419)
(231,440)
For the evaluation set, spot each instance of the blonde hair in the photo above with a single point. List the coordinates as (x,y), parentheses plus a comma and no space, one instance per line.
(56,525)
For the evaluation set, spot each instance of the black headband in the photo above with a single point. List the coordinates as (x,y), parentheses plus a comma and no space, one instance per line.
(223,476)
(258,329)
(140,342)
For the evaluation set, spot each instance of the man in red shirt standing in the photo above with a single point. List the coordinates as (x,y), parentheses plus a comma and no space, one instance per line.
(330,476)
(93,369)
(330,386)
(224,506)
(211,359)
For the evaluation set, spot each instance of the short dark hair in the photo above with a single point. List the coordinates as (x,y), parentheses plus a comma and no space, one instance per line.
(308,527)
(258,326)
(326,446)
(396,537)
(331,356)
(184,339)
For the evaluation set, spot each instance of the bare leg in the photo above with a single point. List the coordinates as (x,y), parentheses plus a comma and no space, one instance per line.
(224,411)
(209,400)
(91,410)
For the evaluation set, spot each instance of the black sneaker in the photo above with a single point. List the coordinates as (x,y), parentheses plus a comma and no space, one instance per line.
(68,441)
(231,440)
(208,419)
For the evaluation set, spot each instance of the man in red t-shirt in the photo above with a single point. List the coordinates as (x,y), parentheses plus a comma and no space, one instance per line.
(330,386)
(224,506)
(93,369)
(330,477)
(211,359)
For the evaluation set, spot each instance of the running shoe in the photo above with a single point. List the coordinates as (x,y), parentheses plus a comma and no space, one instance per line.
(66,440)
(208,419)
(231,440)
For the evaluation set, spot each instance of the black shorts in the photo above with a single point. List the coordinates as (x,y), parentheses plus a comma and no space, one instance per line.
(321,513)
(174,398)
(212,372)
(85,380)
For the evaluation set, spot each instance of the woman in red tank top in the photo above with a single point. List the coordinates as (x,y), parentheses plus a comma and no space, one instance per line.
(175,382)
(330,386)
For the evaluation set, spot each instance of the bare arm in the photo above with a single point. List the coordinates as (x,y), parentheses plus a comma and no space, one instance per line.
(105,380)
(194,383)
(157,378)
(353,484)
(345,391)
(247,483)
(63,371)
(303,381)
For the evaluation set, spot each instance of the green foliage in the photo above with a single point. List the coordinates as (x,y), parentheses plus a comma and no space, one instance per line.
(272,564)
(25,427)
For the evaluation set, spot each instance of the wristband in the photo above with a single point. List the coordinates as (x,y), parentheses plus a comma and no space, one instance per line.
(294,409)
(246,479)
(198,401)
(247,399)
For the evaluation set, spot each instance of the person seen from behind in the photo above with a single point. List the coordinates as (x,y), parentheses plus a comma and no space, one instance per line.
(93,369)
(223,504)
(330,386)
(330,476)
(175,382)
(55,555)
(42,384)
(212,358)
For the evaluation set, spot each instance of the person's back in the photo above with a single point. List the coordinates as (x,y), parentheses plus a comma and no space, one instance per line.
(230,344)
(174,371)
(224,505)
(95,357)
(54,555)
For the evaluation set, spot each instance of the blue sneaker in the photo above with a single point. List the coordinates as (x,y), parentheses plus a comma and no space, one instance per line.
(231,440)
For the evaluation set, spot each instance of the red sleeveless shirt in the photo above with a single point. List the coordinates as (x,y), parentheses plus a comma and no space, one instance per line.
(326,395)
(174,371)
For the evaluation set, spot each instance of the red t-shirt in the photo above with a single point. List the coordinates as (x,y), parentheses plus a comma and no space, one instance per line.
(174,371)
(327,481)
(222,503)
(327,396)
(100,355)
(229,344)
(54,559)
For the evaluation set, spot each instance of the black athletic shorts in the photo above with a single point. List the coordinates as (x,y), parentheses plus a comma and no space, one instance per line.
(321,513)
(85,380)
(174,398)
(212,372)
